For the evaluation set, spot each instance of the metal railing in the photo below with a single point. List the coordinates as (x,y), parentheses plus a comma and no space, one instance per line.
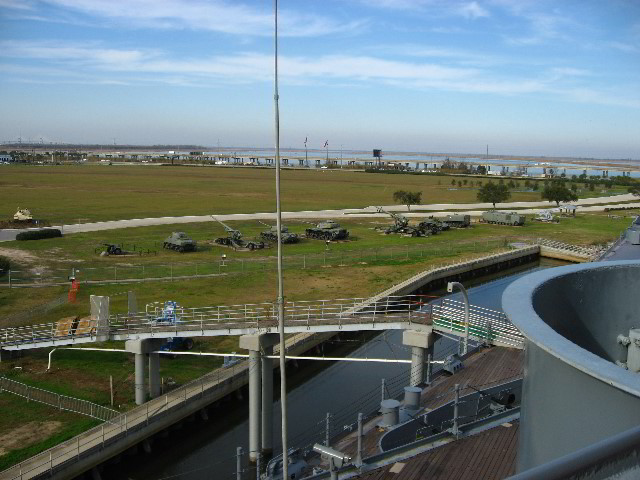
(300,315)
(61,402)
(485,325)
(589,253)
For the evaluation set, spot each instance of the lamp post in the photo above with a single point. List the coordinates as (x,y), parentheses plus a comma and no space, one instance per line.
(450,287)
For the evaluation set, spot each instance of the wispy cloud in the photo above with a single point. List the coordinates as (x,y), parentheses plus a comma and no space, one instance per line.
(624,47)
(219,16)
(137,66)
(472,10)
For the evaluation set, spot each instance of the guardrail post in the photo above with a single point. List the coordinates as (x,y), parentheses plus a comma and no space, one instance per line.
(428,379)
(360,436)
(327,429)
(239,463)
(454,429)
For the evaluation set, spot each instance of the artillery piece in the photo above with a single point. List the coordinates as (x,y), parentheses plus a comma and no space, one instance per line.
(234,239)
(401,225)
(329,230)
(271,235)
(112,249)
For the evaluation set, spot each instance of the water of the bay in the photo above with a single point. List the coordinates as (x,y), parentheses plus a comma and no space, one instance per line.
(205,450)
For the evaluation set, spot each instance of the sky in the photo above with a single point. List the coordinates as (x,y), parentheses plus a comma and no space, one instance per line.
(525,77)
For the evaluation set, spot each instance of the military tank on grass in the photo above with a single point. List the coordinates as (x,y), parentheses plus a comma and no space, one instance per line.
(433,226)
(329,230)
(23,215)
(234,239)
(180,242)
(286,236)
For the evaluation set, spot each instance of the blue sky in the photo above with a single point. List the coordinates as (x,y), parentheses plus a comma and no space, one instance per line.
(525,77)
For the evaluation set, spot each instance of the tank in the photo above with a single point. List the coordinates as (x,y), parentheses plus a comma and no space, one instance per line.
(329,230)
(271,235)
(460,221)
(432,226)
(503,218)
(23,215)
(180,242)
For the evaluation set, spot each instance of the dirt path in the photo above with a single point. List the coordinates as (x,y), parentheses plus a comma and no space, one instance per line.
(27,434)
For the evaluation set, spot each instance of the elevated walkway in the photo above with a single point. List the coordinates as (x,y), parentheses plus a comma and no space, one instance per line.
(407,312)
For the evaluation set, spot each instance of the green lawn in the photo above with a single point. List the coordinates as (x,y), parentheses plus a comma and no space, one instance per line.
(87,193)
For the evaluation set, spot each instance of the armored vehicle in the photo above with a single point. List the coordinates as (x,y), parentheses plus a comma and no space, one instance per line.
(400,225)
(286,236)
(460,221)
(329,230)
(503,218)
(180,242)
(432,226)
(23,215)
(234,239)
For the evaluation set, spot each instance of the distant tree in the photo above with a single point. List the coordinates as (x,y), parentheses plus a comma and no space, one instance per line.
(407,198)
(535,186)
(574,187)
(465,181)
(511,184)
(479,183)
(557,192)
(517,184)
(527,184)
(492,193)
(453,182)
(635,190)
(574,178)
(459,183)
(448,165)
(481,170)
(462,167)
(592,187)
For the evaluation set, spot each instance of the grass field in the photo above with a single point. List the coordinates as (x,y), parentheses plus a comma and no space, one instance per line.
(87,193)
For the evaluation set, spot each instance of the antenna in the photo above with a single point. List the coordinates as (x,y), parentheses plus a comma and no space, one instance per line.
(283,377)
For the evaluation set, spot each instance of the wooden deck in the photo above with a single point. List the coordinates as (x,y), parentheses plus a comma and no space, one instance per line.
(487,455)
(490,455)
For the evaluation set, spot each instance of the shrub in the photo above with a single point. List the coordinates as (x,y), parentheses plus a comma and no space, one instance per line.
(4,265)
(38,234)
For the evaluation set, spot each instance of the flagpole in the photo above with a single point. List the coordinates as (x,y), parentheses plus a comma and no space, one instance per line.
(280,301)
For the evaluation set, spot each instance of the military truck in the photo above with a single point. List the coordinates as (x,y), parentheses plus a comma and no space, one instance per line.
(503,218)
(180,242)
(459,221)
(234,239)
(286,236)
(23,215)
(400,225)
(329,230)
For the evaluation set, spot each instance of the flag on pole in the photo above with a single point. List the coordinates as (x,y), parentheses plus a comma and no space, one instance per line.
(326,143)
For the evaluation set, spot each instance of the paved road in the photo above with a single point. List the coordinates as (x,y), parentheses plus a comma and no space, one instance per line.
(436,209)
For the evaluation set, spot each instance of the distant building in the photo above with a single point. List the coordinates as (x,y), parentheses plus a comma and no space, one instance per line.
(4,158)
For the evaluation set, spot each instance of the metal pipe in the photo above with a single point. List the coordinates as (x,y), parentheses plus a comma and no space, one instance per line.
(239,463)
(283,376)
(50,353)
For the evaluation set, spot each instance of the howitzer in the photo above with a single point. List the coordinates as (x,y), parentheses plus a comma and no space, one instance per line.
(401,224)
(234,239)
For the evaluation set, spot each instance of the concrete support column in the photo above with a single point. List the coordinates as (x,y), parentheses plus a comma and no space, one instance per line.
(421,343)
(142,350)
(256,344)
(139,378)
(255,403)
(416,376)
(267,403)
(154,375)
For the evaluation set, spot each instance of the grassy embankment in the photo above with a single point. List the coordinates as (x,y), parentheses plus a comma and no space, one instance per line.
(108,194)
